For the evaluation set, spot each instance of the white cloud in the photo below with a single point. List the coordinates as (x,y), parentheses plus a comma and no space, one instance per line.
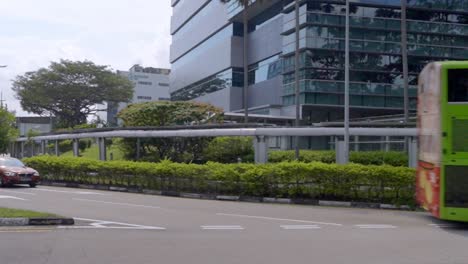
(118,33)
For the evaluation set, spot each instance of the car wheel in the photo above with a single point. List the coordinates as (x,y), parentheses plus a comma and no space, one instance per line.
(2,184)
(32,185)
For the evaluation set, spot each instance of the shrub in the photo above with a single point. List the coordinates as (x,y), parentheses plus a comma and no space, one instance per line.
(353,182)
(229,149)
(67,145)
(362,157)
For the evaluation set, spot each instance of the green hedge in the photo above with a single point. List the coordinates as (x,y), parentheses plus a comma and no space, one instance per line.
(364,157)
(353,182)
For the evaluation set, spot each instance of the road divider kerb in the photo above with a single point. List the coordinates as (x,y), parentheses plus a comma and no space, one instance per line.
(334,203)
(237,198)
(36,221)
(227,198)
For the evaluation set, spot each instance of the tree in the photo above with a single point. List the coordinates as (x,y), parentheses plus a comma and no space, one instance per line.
(70,90)
(7,129)
(158,114)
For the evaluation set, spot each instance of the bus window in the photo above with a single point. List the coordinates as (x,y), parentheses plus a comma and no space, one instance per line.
(456,186)
(458,85)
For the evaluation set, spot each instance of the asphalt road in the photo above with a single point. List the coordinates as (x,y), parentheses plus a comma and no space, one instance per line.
(126,228)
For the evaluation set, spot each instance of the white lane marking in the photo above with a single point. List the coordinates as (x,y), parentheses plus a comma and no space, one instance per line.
(126,204)
(8,191)
(443,225)
(280,219)
(71,192)
(222,227)
(103,224)
(111,227)
(11,197)
(375,226)
(300,227)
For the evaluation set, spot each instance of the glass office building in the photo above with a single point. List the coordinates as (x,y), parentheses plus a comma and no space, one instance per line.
(436,30)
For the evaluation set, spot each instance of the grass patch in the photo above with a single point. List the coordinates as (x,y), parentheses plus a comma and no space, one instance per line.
(17,213)
(93,153)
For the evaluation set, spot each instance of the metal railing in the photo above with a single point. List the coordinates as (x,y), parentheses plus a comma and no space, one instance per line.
(260,135)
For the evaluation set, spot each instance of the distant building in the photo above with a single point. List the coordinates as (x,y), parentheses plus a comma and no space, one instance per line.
(37,124)
(151,84)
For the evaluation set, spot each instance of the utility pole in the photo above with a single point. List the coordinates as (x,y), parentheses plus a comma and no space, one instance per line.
(296,77)
(246,63)
(404,59)
(346,92)
(1,92)
(1,100)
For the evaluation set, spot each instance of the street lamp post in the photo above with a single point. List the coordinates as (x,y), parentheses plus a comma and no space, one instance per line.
(346,106)
(296,78)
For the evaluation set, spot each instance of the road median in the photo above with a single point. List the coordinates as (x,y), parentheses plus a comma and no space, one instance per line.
(17,217)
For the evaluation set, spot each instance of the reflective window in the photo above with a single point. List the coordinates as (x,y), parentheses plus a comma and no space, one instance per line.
(222,35)
(456,184)
(193,21)
(265,70)
(144,98)
(458,85)
(266,17)
(225,79)
(456,5)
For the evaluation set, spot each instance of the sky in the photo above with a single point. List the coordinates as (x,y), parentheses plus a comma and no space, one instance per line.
(117,33)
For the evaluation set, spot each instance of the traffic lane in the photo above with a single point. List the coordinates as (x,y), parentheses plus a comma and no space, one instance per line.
(157,210)
(323,246)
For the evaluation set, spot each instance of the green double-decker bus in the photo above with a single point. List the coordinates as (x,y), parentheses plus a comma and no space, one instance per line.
(442,176)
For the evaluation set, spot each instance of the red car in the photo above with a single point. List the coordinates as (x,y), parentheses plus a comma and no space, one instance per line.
(13,171)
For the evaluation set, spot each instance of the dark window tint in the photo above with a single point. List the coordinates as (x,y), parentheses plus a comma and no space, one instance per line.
(458,85)
(456,186)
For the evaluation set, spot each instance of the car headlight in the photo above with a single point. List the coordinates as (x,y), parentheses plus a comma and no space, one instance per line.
(10,174)
(36,174)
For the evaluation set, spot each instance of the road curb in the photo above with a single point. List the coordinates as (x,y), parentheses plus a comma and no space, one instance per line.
(36,221)
(273,200)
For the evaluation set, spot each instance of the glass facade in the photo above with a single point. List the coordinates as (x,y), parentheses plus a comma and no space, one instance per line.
(265,70)
(227,32)
(225,79)
(437,30)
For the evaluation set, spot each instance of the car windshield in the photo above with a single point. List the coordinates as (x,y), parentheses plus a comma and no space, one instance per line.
(11,163)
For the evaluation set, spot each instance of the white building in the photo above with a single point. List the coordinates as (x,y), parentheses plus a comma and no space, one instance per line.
(151,84)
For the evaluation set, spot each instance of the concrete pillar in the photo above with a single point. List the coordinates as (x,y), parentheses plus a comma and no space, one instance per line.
(102,149)
(138,149)
(356,143)
(22,149)
(261,149)
(33,145)
(387,143)
(413,152)
(43,147)
(76,149)
(284,143)
(56,148)
(340,155)
(11,149)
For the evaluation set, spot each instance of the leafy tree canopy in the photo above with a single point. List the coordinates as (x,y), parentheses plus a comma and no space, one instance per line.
(165,113)
(168,114)
(7,129)
(70,90)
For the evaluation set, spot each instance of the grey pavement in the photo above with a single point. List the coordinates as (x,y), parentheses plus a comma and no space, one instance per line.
(122,228)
